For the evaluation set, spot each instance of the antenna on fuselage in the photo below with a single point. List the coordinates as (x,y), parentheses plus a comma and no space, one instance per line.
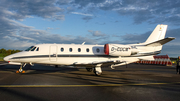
(83,43)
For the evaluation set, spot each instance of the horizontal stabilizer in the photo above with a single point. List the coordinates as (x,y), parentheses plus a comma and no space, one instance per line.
(160,42)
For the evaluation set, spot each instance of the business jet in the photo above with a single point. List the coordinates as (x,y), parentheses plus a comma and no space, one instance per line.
(92,57)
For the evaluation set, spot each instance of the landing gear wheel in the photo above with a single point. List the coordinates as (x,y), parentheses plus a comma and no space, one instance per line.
(17,71)
(97,73)
(89,69)
(20,71)
(23,71)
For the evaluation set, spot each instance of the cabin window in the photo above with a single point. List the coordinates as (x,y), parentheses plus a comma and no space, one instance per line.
(33,48)
(70,49)
(97,50)
(37,49)
(62,49)
(79,49)
(87,50)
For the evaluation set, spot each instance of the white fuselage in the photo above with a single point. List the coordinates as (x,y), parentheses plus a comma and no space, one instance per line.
(69,54)
(61,54)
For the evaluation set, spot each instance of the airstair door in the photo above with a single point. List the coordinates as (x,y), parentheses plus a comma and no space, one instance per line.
(53,53)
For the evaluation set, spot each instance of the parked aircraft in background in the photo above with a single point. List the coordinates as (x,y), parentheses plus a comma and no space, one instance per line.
(92,56)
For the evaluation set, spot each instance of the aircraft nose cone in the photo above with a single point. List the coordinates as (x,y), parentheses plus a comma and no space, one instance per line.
(6,58)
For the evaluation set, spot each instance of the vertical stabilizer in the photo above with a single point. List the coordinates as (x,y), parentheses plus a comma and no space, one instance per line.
(158,34)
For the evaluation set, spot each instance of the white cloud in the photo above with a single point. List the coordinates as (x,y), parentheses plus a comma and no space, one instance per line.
(49,28)
(22,37)
(131,7)
(96,33)
(10,43)
(84,14)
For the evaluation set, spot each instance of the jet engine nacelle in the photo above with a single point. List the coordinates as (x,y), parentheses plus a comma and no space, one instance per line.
(117,50)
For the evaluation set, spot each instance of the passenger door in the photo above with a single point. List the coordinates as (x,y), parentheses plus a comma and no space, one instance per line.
(53,53)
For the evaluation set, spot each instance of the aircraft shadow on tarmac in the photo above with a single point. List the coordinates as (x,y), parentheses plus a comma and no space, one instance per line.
(72,73)
(40,69)
(69,73)
(37,69)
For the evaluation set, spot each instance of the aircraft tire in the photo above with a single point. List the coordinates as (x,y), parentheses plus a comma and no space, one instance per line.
(96,72)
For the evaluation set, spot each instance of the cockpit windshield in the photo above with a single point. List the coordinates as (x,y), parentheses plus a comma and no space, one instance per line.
(33,48)
(29,48)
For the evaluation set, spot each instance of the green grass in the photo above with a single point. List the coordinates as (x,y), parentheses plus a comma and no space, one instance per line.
(2,56)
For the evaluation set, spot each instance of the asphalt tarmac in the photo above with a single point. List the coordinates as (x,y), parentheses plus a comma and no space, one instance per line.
(47,83)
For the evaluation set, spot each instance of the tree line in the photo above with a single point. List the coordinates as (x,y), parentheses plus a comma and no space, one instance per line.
(5,52)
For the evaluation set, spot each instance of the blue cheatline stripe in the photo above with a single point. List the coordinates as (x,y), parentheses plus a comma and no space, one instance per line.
(105,56)
(43,56)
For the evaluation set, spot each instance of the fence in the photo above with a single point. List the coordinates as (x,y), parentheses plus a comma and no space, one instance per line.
(158,60)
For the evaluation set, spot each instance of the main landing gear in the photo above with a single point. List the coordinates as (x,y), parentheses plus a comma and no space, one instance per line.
(21,68)
(97,70)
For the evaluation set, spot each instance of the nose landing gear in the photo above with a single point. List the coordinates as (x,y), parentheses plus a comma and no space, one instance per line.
(21,68)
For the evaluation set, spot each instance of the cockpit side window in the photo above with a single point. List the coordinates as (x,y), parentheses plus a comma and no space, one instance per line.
(29,48)
(33,48)
(37,49)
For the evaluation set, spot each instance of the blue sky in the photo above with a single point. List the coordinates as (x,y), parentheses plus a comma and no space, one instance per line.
(27,22)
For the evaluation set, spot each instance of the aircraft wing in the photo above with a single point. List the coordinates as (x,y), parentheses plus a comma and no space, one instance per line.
(150,58)
(112,63)
(91,64)
(125,62)
(160,42)
(129,61)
